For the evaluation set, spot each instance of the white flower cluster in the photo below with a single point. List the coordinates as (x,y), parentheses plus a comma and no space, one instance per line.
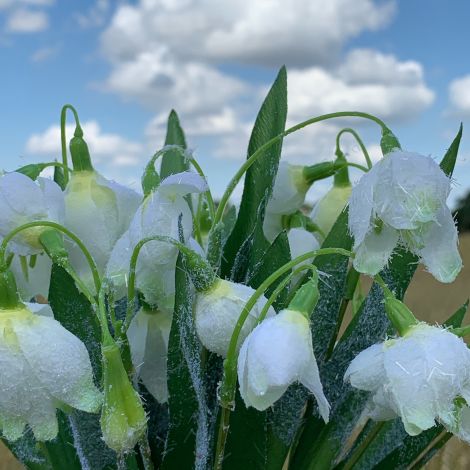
(421,377)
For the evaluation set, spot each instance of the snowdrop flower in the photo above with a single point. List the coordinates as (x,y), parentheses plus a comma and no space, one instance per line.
(23,200)
(216,312)
(301,241)
(43,366)
(329,207)
(148,336)
(98,211)
(277,353)
(402,199)
(417,377)
(157,215)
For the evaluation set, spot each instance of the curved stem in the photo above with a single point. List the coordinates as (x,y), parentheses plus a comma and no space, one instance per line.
(63,141)
(60,228)
(208,194)
(254,156)
(358,140)
(103,318)
(356,165)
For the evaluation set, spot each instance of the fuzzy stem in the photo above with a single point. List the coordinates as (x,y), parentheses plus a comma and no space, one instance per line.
(358,140)
(60,228)
(254,156)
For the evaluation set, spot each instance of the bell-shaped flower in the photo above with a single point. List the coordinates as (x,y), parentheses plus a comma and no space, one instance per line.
(23,200)
(148,336)
(43,367)
(216,312)
(277,353)
(402,200)
(98,211)
(159,214)
(417,377)
(123,420)
(329,207)
(301,241)
(33,275)
(289,190)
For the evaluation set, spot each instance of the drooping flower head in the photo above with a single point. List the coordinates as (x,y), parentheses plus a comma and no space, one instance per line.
(98,211)
(402,200)
(161,213)
(23,200)
(417,377)
(217,310)
(43,366)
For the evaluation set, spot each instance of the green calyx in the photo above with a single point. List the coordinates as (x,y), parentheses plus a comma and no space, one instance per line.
(306,298)
(79,151)
(53,243)
(300,220)
(201,272)
(389,142)
(399,314)
(321,171)
(123,420)
(150,178)
(9,298)
(341,178)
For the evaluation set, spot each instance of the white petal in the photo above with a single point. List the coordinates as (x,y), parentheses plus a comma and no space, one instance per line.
(53,198)
(301,241)
(366,371)
(375,250)
(60,362)
(137,336)
(37,279)
(43,421)
(438,249)
(272,225)
(182,184)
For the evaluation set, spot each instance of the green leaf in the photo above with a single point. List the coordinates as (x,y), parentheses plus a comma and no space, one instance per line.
(187,444)
(240,451)
(59,177)
(456,320)
(33,170)
(173,161)
(287,413)
(74,312)
(448,162)
(27,450)
(259,181)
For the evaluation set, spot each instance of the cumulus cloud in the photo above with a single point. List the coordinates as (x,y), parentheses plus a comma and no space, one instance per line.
(459,96)
(111,153)
(24,20)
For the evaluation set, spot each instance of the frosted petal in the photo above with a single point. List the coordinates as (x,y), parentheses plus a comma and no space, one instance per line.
(182,184)
(366,371)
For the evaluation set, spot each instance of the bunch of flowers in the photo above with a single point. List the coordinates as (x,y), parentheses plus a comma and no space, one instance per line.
(163,329)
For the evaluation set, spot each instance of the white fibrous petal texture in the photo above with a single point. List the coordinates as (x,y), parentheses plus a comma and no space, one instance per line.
(417,377)
(276,354)
(23,200)
(216,313)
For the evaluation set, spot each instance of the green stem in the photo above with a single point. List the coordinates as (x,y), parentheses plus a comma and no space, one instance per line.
(358,140)
(60,228)
(357,454)
(428,453)
(208,194)
(254,156)
(146,453)
(103,318)
(222,438)
(356,165)
(63,141)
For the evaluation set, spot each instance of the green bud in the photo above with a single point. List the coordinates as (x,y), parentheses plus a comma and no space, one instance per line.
(200,271)
(306,298)
(79,151)
(9,298)
(389,142)
(53,243)
(123,420)
(321,171)
(341,178)
(399,314)
(150,178)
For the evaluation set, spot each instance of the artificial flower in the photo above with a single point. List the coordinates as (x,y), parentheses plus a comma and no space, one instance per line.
(277,353)
(216,312)
(402,200)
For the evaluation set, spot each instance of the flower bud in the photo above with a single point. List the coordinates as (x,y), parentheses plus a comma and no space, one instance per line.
(123,419)
(8,291)
(399,314)
(79,151)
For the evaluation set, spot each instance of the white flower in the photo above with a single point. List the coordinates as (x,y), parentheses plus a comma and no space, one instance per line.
(417,377)
(301,241)
(23,200)
(42,366)
(289,190)
(216,312)
(32,280)
(277,353)
(98,211)
(157,215)
(402,199)
(329,207)
(148,336)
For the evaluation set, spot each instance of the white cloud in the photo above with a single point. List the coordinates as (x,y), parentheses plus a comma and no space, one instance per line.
(95,16)
(25,20)
(302,33)
(113,155)
(45,53)
(459,96)
(9,3)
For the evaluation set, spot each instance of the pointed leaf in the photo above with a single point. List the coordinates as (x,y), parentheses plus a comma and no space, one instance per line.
(172,161)
(448,162)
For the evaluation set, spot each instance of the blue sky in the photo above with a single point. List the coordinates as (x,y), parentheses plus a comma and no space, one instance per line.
(124,65)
